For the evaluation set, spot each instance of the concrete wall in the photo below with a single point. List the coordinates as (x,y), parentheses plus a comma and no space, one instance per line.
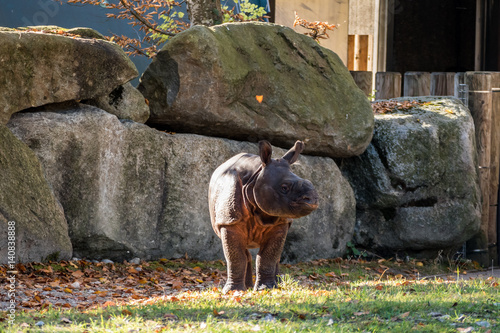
(333,12)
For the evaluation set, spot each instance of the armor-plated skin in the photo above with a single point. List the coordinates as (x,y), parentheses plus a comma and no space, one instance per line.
(252,200)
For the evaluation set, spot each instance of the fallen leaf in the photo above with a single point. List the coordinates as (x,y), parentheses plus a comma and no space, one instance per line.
(132,270)
(361,313)
(217,313)
(67,290)
(259,98)
(177,284)
(77,274)
(126,312)
(171,317)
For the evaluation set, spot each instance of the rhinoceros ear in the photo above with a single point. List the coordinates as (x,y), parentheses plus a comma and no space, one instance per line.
(293,154)
(265,151)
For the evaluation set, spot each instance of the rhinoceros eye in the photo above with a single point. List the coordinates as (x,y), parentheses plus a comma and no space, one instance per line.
(285,188)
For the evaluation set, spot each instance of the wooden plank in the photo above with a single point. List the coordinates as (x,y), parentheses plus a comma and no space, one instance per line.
(363,80)
(350,52)
(442,84)
(480,107)
(362,52)
(494,168)
(417,84)
(387,85)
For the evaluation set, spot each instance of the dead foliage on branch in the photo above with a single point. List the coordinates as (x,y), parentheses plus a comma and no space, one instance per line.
(318,30)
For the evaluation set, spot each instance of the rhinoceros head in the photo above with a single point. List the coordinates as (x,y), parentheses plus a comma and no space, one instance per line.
(279,192)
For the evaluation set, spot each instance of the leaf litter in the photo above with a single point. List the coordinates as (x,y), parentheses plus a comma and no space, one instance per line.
(83,284)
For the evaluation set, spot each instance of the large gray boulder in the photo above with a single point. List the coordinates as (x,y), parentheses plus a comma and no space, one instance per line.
(205,80)
(28,205)
(129,190)
(39,69)
(416,185)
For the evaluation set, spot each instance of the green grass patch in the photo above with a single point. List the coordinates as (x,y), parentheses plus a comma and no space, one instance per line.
(320,296)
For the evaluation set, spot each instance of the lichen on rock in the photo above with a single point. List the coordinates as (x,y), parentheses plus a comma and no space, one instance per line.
(416,185)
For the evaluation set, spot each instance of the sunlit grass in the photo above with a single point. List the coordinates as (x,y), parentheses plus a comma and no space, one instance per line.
(356,300)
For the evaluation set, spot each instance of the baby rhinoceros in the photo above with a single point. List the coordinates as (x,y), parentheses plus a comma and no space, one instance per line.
(252,200)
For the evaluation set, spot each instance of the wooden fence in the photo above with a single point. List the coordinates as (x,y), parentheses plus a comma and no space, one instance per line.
(480,91)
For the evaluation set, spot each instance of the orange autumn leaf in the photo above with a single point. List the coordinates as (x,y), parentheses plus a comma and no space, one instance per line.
(132,270)
(77,274)
(126,312)
(259,98)
(108,303)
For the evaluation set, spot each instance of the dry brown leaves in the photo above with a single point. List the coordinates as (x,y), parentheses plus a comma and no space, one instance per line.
(82,284)
(51,31)
(382,107)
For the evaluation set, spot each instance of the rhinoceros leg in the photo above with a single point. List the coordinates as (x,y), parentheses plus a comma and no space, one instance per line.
(233,243)
(248,273)
(268,258)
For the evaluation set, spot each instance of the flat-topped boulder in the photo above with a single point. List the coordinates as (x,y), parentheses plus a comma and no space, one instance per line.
(417,186)
(205,80)
(43,68)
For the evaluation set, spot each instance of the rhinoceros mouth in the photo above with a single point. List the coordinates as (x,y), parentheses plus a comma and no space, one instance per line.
(303,207)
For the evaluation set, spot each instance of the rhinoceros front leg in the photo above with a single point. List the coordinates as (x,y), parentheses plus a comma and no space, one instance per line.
(268,258)
(234,245)
(248,273)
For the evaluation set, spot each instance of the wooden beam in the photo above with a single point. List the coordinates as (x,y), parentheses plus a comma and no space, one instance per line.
(494,168)
(387,85)
(442,84)
(417,84)
(363,80)
(480,107)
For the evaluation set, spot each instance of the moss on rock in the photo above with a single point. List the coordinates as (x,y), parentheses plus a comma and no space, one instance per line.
(417,184)
(205,81)
(27,199)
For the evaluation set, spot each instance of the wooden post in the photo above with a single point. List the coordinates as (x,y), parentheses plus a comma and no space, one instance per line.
(387,85)
(442,84)
(495,168)
(350,52)
(480,107)
(359,52)
(417,84)
(363,81)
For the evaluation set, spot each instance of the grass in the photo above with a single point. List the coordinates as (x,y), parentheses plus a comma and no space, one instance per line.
(321,296)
